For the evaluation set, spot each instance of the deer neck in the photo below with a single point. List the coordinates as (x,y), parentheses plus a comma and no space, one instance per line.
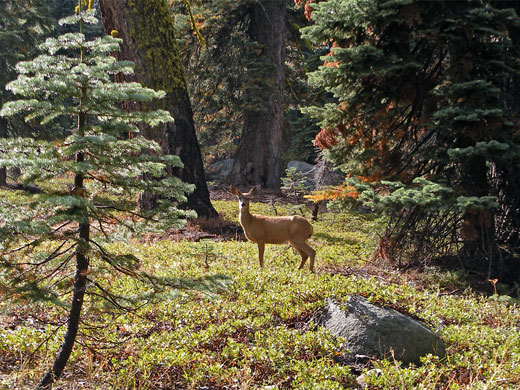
(244,215)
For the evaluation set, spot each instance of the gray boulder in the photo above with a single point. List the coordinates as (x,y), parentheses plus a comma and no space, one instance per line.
(220,170)
(306,169)
(376,331)
(300,166)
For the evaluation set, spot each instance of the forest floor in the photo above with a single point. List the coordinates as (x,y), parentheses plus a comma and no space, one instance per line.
(222,323)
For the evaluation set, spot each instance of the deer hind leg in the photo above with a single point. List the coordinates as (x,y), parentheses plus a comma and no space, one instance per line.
(303,254)
(261,247)
(301,245)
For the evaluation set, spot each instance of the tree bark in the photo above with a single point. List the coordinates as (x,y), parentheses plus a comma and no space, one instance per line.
(3,176)
(148,34)
(3,134)
(478,226)
(73,319)
(257,160)
(80,282)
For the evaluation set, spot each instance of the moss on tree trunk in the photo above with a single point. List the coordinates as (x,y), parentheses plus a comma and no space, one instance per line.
(148,34)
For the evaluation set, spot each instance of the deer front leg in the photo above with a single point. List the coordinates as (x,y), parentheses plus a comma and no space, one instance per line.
(261,247)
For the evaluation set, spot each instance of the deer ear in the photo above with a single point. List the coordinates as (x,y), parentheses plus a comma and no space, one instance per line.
(253,191)
(234,191)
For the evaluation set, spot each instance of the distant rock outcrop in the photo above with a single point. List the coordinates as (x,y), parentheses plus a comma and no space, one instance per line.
(379,332)
(220,170)
(306,169)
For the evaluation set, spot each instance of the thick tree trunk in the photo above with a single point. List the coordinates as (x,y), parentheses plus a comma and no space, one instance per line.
(478,227)
(506,176)
(148,34)
(258,156)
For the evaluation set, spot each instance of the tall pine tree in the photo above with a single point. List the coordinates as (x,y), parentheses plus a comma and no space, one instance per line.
(421,113)
(238,78)
(258,157)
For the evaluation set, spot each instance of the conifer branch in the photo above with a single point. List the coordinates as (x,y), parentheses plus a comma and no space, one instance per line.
(56,269)
(108,258)
(33,242)
(107,295)
(135,214)
(46,340)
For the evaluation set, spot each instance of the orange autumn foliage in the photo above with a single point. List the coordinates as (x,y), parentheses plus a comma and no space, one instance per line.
(331,64)
(307,7)
(326,138)
(378,176)
(334,193)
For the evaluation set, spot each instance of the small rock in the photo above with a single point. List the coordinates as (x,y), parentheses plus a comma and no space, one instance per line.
(361,378)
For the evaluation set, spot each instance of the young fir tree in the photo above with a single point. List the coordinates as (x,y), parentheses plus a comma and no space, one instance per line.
(64,228)
(422,111)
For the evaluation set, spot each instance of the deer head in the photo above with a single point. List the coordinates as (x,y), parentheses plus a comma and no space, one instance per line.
(243,198)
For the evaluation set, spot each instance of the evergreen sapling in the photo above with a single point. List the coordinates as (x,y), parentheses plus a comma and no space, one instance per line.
(96,171)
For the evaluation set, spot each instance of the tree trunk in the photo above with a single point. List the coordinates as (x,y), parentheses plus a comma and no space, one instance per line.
(478,226)
(148,34)
(3,134)
(258,156)
(80,283)
(3,176)
(506,176)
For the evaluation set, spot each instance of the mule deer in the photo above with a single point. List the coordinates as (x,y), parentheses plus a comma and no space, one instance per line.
(274,230)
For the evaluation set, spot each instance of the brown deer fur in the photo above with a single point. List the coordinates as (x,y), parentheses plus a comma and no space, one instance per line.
(262,229)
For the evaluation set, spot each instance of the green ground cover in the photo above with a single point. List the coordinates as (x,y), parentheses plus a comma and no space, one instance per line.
(226,324)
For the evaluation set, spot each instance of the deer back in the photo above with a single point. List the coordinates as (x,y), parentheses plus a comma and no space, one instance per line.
(275,230)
